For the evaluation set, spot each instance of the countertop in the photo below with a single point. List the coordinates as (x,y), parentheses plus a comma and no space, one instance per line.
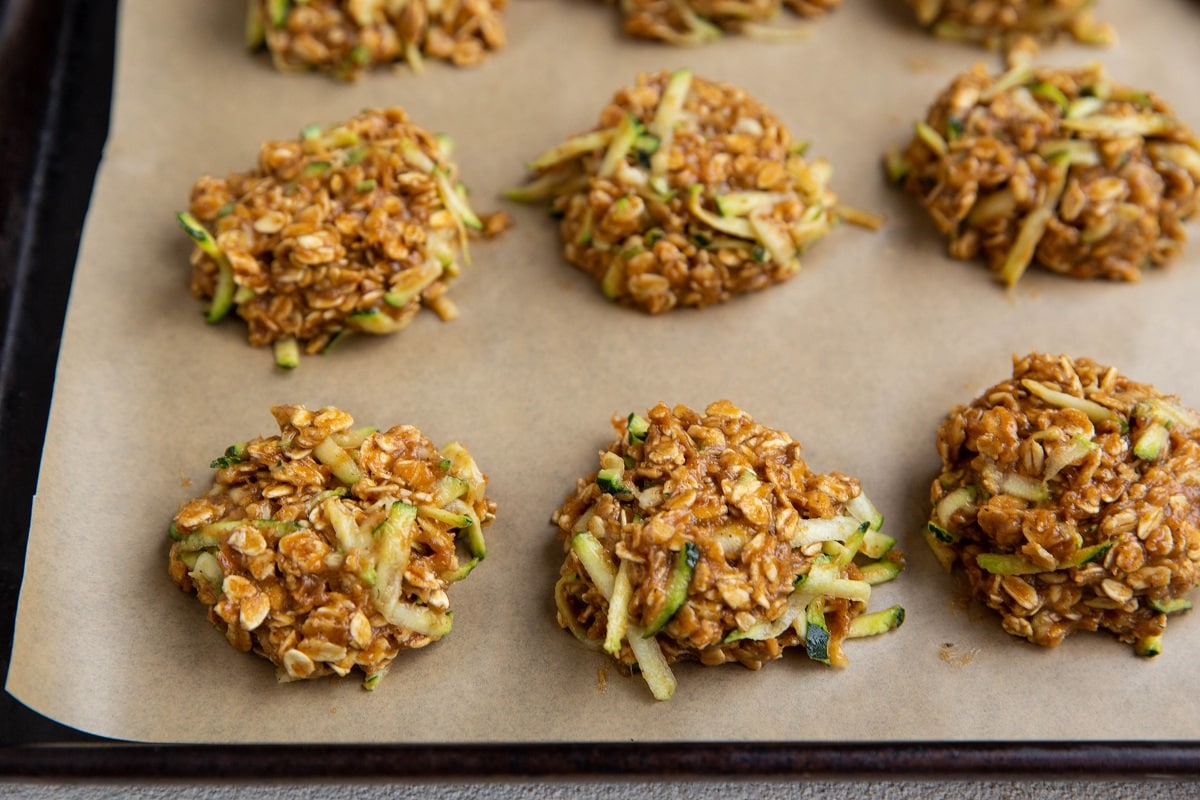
(795,789)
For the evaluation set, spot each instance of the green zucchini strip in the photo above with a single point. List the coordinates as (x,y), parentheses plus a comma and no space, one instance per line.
(208,569)
(287,352)
(1013,564)
(353,439)
(734,226)
(617,623)
(1169,414)
(1149,646)
(651,661)
(349,535)
(834,529)
(412,282)
(473,528)
(548,185)
(1068,456)
(391,543)
(876,623)
(222,300)
(340,463)
(932,139)
(862,509)
(816,636)
(952,503)
(572,148)
(595,562)
(1094,411)
(255,31)
(419,619)
(666,116)
(1135,125)
(942,551)
(677,586)
(1171,606)
(876,545)
(1024,487)
(619,147)
(878,572)
(453,199)
(1033,227)
(1150,443)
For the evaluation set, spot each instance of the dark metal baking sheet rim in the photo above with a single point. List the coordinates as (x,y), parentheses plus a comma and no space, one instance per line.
(55,88)
(890,760)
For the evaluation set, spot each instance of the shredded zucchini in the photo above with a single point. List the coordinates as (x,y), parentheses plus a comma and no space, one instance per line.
(667,115)
(651,661)
(339,461)
(1095,412)
(572,148)
(617,623)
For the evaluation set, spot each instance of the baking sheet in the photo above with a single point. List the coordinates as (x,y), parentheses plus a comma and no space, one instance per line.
(857,357)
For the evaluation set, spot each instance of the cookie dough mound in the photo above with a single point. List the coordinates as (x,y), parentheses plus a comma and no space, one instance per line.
(686,193)
(347,37)
(1003,23)
(1065,167)
(708,538)
(354,227)
(690,22)
(1070,496)
(329,547)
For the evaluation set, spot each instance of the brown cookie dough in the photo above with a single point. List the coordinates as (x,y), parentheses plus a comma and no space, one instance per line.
(686,193)
(691,22)
(1003,24)
(1070,497)
(1065,167)
(348,37)
(353,227)
(706,537)
(327,547)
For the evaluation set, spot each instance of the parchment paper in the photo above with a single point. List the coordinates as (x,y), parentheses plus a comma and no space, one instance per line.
(858,358)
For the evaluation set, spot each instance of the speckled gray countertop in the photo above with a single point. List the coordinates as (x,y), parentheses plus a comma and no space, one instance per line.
(639,790)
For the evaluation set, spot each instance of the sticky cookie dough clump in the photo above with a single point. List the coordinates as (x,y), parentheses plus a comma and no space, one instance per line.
(1008,23)
(1063,167)
(348,37)
(329,548)
(348,228)
(1069,494)
(691,22)
(686,193)
(706,537)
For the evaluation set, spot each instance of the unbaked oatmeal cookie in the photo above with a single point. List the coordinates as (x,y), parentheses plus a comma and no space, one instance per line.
(347,37)
(1070,497)
(352,227)
(706,537)
(1004,24)
(329,547)
(1060,166)
(686,193)
(692,22)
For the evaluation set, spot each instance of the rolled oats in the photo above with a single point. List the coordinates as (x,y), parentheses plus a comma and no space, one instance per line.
(689,22)
(1012,23)
(708,538)
(349,569)
(686,193)
(349,228)
(348,37)
(1091,539)
(1066,167)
